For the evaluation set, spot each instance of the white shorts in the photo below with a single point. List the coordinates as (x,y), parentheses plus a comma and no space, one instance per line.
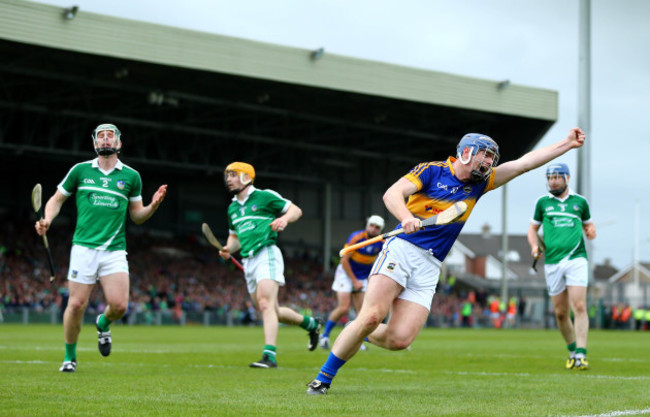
(265,264)
(343,283)
(410,266)
(573,273)
(88,265)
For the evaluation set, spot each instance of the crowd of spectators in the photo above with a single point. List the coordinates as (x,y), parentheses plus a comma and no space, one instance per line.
(177,275)
(169,274)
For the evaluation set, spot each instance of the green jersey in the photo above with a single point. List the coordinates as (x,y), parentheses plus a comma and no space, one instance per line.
(562,222)
(250,219)
(102,203)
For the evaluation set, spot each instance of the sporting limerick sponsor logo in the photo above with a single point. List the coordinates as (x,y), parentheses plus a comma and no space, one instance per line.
(99,200)
(245,227)
(563,222)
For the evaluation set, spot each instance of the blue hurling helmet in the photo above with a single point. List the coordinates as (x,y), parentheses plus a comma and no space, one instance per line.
(559,169)
(477,142)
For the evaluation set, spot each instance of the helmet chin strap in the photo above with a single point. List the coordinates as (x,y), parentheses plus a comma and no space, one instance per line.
(106,151)
(238,190)
(557,192)
(475,176)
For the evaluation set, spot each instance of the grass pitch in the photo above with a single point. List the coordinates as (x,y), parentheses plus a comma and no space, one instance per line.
(203,371)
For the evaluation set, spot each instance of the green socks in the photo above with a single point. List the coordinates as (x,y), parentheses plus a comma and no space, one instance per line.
(269,351)
(309,323)
(70,351)
(103,323)
(572,349)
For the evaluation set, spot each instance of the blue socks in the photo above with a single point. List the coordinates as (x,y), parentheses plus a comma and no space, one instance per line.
(329,369)
(328,328)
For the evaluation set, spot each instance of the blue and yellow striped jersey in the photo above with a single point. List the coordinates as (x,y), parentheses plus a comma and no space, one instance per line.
(362,259)
(438,189)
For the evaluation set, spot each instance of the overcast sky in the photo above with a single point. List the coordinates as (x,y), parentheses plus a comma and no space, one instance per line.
(532,42)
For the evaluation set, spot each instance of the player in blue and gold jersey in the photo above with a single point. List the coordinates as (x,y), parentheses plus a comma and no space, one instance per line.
(351,276)
(404,277)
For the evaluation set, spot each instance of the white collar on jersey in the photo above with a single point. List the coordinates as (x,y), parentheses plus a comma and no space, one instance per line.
(562,199)
(119,165)
(250,189)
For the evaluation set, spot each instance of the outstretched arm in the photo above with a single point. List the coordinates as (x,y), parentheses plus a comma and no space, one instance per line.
(140,213)
(538,157)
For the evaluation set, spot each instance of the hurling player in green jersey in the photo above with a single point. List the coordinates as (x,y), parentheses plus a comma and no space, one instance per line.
(106,189)
(254,218)
(405,275)
(564,215)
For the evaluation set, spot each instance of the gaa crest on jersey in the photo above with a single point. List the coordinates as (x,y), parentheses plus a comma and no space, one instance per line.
(120,184)
(391,266)
(467,189)
(575,207)
(74,273)
(254,207)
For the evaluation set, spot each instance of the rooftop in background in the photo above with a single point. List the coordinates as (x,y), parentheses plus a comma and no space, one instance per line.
(188,95)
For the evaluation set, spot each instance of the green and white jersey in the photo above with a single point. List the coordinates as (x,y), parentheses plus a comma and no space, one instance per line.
(562,221)
(102,203)
(250,219)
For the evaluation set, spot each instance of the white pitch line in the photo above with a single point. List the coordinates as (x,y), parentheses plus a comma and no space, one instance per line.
(617,413)
(506,355)
(93,349)
(523,374)
(209,366)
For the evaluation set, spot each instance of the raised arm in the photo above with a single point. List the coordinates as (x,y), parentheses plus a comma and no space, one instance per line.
(140,213)
(538,157)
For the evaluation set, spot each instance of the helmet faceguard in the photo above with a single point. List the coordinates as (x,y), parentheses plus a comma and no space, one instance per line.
(242,169)
(482,148)
(556,171)
(107,150)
